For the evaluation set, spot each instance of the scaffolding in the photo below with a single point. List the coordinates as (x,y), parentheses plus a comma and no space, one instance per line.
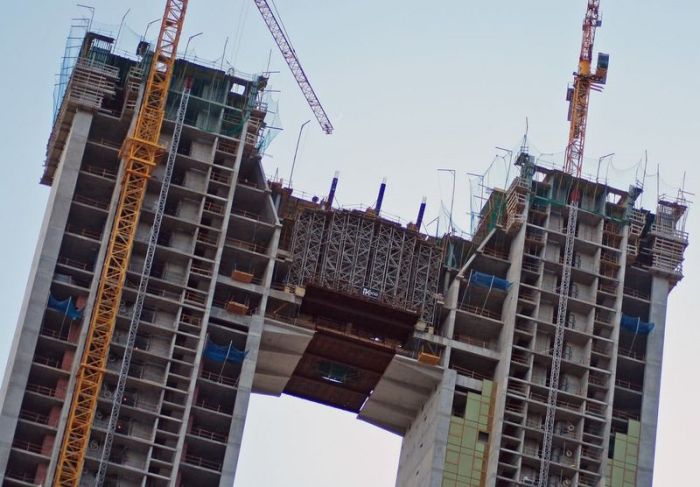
(669,239)
(91,81)
(637,221)
(132,86)
(74,42)
(491,215)
(516,200)
(517,194)
(356,253)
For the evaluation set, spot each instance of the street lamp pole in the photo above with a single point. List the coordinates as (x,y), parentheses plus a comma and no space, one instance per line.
(452,199)
(296,151)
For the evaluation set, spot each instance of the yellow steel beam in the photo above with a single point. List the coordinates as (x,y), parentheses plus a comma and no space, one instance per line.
(141,152)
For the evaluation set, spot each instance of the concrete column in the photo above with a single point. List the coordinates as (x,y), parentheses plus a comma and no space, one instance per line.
(422,458)
(616,343)
(510,307)
(240,409)
(245,381)
(39,283)
(448,326)
(210,299)
(652,380)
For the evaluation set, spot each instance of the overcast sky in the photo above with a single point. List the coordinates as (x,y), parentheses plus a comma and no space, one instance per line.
(411,86)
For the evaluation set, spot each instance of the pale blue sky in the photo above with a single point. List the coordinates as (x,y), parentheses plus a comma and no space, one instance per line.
(411,86)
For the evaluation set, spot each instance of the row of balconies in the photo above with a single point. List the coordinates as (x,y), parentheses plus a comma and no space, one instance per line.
(62,363)
(570,403)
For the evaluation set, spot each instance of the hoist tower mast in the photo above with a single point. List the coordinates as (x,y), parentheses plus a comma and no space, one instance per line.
(578,96)
(141,152)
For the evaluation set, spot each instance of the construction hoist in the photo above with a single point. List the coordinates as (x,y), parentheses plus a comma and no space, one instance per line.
(141,153)
(578,96)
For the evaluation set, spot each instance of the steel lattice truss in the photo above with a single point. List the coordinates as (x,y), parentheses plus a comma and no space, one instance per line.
(143,285)
(425,280)
(558,348)
(330,274)
(306,245)
(355,253)
(403,279)
(293,62)
(380,260)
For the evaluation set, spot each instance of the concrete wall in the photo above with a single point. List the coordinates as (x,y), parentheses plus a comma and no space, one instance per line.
(240,410)
(652,381)
(37,292)
(505,345)
(422,457)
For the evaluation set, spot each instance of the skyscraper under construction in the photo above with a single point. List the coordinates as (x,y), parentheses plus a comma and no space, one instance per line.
(446,341)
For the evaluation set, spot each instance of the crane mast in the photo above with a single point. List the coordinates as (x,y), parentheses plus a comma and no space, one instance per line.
(290,57)
(584,81)
(578,96)
(143,284)
(141,152)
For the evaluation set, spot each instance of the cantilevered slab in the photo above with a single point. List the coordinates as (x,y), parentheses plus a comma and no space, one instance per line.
(374,317)
(400,394)
(281,348)
(339,369)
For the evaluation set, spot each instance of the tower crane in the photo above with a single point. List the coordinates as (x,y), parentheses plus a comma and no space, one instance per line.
(290,56)
(143,284)
(141,152)
(578,96)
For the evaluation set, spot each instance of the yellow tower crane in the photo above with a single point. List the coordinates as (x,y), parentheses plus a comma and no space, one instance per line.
(578,96)
(141,152)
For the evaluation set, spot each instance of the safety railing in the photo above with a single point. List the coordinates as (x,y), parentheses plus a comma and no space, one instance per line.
(99,171)
(219,378)
(33,417)
(480,311)
(202,462)
(101,204)
(209,435)
(629,385)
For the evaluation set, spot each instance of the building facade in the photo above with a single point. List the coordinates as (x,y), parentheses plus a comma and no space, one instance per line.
(444,341)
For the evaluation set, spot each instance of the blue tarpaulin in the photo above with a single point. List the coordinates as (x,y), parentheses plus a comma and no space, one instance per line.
(67,307)
(636,325)
(222,353)
(487,280)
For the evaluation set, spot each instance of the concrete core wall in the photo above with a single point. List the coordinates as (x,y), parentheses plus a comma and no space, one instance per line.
(422,457)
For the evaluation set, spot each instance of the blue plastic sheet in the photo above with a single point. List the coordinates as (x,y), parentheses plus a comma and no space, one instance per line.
(487,280)
(221,353)
(636,325)
(67,307)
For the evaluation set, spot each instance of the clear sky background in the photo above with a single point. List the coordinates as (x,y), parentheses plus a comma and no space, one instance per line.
(411,86)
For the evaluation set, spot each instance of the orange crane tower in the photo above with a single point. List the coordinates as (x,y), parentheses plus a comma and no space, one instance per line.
(141,152)
(578,96)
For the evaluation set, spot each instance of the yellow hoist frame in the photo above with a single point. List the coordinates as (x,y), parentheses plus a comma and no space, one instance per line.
(141,152)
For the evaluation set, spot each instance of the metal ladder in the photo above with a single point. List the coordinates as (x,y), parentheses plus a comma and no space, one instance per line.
(143,284)
(550,418)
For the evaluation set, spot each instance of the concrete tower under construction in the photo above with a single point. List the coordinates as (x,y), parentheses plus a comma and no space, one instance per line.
(446,341)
